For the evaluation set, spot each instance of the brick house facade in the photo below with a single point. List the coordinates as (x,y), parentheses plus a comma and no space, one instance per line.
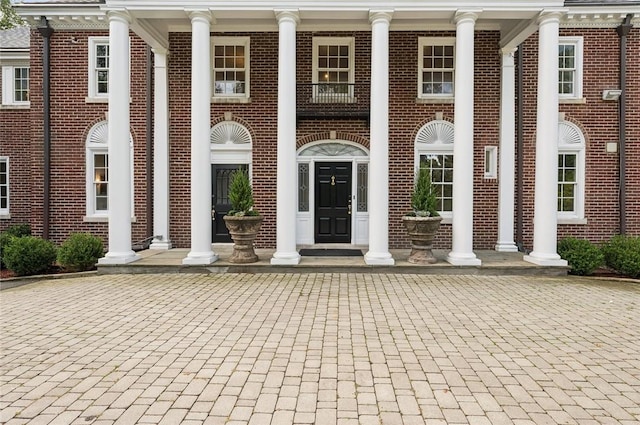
(284,129)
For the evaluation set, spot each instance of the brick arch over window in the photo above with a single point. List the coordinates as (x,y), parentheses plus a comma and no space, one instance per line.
(233,118)
(421,125)
(310,138)
(568,119)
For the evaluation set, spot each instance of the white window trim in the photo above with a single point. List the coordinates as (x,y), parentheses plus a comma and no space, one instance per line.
(435,41)
(101,147)
(8,85)
(93,95)
(577,146)
(491,168)
(576,96)
(335,41)
(226,97)
(4,212)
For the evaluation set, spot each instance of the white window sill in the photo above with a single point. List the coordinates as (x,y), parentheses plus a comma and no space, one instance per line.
(573,100)
(5,216)
(99,100)
(572,221)
(16,106)
(431,100)
(231,99)
(100,219)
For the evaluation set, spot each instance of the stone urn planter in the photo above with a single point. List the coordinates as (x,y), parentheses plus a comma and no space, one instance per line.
(243,231)
(421,231)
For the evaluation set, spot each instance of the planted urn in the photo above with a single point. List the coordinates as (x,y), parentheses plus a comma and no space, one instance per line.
(242,221)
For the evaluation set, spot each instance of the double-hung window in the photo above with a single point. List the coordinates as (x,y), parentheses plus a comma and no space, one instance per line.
(570,68)
(4,186)
(97,173)
(15,85)
(333,69)
(230,67)
(436,67)
(98,67)
(571,170)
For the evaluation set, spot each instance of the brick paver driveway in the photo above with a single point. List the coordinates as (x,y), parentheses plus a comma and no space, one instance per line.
(321,348)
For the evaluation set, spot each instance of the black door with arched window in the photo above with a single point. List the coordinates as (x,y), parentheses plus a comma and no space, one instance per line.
(333,202)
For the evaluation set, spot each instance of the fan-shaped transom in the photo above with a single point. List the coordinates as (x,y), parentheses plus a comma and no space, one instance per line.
(333,149)
(230,133)
(569,134)
(437,132)
(99,134)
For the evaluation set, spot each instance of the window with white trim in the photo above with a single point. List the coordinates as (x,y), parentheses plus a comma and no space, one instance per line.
(333,75)
(98,67)
(571,168)
(97,169)
(230,66)
(4,185)
(570,68)
(434,151)
(436,67)
(15,85)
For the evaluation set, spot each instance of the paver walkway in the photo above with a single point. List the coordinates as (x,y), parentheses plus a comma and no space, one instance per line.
(320,348)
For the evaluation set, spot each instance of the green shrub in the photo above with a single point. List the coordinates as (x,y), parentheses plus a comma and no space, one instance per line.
(582,255)
(622,253)
(80,252)
(29,255)
(16,230)
(241,194)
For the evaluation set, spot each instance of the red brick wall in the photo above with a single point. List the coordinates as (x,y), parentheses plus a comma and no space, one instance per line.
(71,119)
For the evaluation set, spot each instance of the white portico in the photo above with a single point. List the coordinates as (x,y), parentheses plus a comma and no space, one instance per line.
(516,22)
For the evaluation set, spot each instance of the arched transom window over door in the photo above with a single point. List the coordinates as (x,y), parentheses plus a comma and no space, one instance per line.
(434,151)
(571,172)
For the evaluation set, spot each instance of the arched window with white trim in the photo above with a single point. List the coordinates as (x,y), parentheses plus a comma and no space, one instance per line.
(434,150)
(97,172)
(571,169)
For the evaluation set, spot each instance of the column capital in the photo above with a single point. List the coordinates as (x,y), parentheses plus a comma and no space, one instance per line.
(549,16)
(201,15)
(119,15)
(160,57)
(291,15)
(508,51)
(466,16)
(380,15)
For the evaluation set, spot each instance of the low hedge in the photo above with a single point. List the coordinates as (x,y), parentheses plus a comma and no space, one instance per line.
(16,230)
(29,255)
(80,252)
(583,256)
(622,254)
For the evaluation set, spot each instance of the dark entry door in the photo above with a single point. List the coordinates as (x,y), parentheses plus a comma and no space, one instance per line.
(220,179)
(333,202)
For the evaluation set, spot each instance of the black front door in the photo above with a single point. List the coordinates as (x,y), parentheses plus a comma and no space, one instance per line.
(220,179)
(333,202)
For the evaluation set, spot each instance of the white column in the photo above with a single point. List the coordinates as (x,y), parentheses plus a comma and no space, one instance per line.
(462,220)
(545,219)
(160,152)
(378,253)
(506,182)
(120,178)
(201,252)
(286,175)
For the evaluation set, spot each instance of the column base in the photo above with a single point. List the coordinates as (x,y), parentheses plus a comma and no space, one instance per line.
(459,259)
(553,260)
(506,247)
(285,258)
(119,258)
(160,244)
(379,259)
(200,258)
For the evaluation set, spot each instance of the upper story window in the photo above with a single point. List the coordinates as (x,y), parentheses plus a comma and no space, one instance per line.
(98,67)
(230,67)
(570,68)
(333,69)
(15,85)
(436,67)
(4,186)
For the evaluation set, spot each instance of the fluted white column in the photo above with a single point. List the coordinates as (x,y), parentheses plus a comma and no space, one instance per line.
(378,253)
(462,220)
(160,152)
(286,174)
(120,177)
(545,219)
(506,182)
(201,252)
